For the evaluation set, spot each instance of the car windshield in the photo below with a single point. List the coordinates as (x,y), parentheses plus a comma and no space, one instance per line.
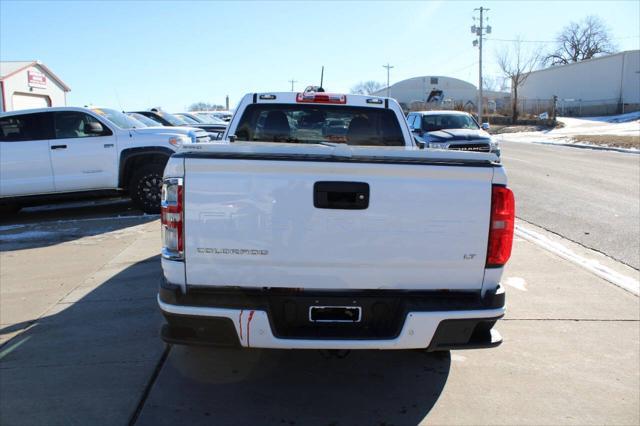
(319,123)
(210,118)
(119,119)
(435,122)
(188,119)
(149,122)
(175,121)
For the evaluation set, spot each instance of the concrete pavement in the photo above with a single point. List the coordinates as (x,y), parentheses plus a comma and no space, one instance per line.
(570,356)
(591,197)
(85,350)
(83,320)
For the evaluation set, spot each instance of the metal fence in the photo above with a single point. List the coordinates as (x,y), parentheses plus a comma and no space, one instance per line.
(572,107)
(528,107)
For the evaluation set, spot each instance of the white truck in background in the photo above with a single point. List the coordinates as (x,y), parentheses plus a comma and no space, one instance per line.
(53,154)
(320,224)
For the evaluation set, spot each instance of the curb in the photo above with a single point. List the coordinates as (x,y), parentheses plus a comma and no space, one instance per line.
(627,283)
(585,146)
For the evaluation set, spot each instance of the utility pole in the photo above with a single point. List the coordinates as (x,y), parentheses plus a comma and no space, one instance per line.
(480,31)
(388,67)
(292,81)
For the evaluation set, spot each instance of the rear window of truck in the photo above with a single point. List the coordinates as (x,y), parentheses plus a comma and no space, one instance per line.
(294,123)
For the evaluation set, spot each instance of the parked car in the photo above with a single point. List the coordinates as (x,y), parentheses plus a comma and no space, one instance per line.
(222,115)
(166,119)
(296,237)
(208,117)
(456,130)
(213,125)
(213,135)
(54,153)
(201,118)
(145,120)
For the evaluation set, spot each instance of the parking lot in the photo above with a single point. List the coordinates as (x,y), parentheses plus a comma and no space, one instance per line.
(80,332)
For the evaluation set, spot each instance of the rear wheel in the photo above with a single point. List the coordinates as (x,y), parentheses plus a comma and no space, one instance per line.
(145,187)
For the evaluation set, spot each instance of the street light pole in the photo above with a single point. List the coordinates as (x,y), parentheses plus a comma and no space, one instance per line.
(292,81)
(388,67)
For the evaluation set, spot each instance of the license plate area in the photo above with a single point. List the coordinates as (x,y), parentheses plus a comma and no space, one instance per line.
(335,314)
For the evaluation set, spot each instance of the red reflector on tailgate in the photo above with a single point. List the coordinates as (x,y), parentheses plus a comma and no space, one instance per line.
(503,213)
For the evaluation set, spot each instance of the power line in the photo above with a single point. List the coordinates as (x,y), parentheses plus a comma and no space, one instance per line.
(521,41)
(548,41)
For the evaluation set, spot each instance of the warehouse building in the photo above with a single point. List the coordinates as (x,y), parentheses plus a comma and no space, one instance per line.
(30,84)
(600,86)
(435,92)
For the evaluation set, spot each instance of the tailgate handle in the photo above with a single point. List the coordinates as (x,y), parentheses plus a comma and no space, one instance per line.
(341,195)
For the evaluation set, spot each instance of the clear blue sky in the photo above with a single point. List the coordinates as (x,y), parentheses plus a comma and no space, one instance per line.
(140,54)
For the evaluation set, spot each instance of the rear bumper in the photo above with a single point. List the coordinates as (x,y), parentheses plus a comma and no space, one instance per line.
(419,320)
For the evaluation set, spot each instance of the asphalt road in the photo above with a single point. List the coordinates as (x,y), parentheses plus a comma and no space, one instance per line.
(588,196)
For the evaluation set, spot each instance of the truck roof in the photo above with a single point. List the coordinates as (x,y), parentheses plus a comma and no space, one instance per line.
(321,98)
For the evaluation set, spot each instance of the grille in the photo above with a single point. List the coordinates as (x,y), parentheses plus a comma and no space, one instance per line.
(477,147)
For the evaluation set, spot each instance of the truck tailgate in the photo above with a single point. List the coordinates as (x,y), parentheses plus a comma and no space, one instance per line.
(253,223)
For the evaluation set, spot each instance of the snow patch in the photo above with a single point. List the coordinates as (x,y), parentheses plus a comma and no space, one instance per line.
(516,282)
(617,125)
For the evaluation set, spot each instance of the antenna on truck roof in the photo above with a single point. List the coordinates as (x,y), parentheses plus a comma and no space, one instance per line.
(320,89)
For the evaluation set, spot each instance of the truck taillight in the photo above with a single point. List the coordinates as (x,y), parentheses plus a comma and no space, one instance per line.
(321,98)
(503,212)
(171,214)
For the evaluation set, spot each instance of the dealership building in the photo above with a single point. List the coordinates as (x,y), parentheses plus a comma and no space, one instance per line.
(599,86)
(30,84)
(428,92)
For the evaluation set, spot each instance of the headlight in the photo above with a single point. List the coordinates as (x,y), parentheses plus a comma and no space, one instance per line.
(439,145)
(179,140)
(494,146)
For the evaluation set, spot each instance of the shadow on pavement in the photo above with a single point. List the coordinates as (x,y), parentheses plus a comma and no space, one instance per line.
(251,386)
(89,363)
(79,209)
(54,224)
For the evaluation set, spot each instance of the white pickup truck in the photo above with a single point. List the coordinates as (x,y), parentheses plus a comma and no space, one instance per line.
(52,154)
(321,225)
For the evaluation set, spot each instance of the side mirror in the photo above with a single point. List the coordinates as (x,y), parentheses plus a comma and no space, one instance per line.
(421,144)
(93,128)
(485,126)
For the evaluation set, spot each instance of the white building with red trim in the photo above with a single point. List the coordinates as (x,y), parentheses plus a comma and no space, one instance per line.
(30,84)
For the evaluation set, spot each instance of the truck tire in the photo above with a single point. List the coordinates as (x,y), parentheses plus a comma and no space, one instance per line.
(145,187)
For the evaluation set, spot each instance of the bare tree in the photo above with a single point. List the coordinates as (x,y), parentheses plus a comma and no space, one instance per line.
(204,106)
(581,40)
(495,83)
(366,87)
(516,64)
